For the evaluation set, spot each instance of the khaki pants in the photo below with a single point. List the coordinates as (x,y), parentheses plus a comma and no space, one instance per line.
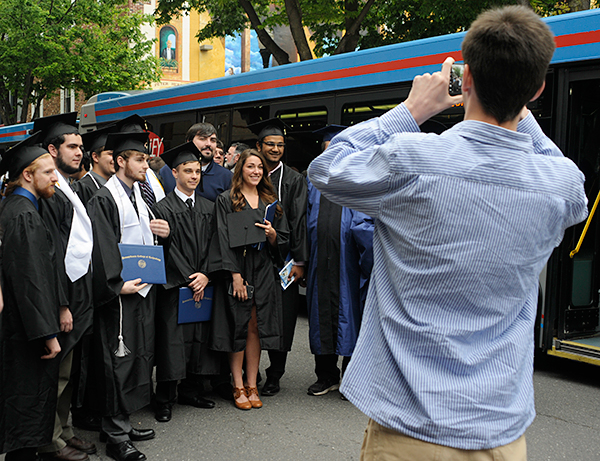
(383,444)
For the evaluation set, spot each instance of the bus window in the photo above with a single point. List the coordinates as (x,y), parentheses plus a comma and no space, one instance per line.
(301,144)
(173,132)
(244,116)
(354,113)
(220,120)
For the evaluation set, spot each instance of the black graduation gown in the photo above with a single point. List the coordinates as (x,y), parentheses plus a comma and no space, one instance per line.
(125,380)
(293,201)
(181,348)
(57,213)
(259,269)
(28,384)
(86,187)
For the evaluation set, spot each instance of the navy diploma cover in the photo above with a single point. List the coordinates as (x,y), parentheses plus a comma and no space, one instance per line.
(191,311)
(144,262)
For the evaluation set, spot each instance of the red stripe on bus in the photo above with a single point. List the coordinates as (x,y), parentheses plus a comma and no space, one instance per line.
(290,81)
(580,38)
(15,133)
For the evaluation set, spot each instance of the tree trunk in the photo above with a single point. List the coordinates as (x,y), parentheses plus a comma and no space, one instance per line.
(294,14)
(26,98)
(352,35)
(579,5)
(6,111)
(278,53)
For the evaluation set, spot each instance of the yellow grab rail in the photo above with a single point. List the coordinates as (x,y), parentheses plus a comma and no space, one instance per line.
(587,224)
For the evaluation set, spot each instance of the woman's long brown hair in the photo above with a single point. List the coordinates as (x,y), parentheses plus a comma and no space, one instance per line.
(265,189)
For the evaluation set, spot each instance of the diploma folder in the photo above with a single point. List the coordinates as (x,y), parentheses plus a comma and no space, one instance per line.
(144,262)
(191,311)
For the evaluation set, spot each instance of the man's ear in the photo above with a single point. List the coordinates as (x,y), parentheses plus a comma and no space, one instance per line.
(53,150)
(538,92)
(120,161)
(28,176)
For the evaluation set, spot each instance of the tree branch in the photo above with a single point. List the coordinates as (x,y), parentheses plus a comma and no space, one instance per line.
(294,15)
(352,36)
(277,52)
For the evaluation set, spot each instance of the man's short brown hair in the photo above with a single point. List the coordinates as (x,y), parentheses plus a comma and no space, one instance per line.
(508,51)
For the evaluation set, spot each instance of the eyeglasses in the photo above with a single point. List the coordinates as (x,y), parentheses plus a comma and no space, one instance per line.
(280,145)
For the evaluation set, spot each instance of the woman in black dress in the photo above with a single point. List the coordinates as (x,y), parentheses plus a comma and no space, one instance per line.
(244,325)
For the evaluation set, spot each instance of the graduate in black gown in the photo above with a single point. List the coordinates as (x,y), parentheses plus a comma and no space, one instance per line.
(124,320)
(66,217)
(243,326)
(290,187)
(182,350)
(29,322)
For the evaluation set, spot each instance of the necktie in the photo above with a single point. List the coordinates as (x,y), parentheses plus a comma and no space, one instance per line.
(190,203)
(148,194)
(132,197)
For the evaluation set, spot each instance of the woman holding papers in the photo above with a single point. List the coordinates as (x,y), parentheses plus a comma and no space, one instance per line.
(247,309)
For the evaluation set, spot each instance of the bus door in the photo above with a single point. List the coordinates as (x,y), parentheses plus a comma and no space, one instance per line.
(303,116)
(574,282)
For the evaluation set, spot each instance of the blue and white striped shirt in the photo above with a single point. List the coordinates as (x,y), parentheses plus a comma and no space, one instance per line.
(464,223)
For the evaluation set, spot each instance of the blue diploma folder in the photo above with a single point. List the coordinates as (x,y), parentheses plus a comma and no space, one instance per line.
(191,311)
(144,262)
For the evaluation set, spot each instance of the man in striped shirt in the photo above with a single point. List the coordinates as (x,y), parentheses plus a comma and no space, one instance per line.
(464,223)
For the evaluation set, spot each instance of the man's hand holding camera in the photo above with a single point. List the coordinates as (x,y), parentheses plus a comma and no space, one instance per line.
(429,94)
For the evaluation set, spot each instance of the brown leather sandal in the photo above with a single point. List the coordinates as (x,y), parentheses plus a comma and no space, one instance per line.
(253,391)
(237,393)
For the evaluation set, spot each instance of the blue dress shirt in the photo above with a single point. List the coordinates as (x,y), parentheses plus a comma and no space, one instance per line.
(464,223)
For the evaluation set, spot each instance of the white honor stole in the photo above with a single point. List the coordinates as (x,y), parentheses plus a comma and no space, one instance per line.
(157,188)
(79,247)
(134,230)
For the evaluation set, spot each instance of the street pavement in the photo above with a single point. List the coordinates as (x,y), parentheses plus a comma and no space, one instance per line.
(296,426)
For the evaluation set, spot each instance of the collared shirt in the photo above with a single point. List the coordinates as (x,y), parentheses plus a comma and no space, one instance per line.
(464,223)
(184,197)
(128,190)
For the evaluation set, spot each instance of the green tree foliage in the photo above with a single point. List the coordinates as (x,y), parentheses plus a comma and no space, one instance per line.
(339,26)
(87,45)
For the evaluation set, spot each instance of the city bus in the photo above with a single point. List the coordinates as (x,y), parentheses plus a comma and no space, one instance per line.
(349,88)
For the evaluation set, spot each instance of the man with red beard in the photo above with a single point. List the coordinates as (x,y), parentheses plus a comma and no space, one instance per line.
(30,319)
(124,319)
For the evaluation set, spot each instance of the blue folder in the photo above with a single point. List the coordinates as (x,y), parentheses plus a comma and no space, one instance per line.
(191,311)
(144,262)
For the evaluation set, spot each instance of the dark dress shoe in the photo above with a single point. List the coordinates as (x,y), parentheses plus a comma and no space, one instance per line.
(136,435)
(81,445)
(270,388)
(66,454)
(139,435)
(224,390)
(88,422)
(196,401)
(124,451)
(163,413)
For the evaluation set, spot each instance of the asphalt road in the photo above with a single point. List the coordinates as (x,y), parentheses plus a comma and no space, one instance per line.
(296,426)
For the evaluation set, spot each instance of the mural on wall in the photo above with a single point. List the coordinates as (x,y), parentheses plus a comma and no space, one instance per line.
(168,49)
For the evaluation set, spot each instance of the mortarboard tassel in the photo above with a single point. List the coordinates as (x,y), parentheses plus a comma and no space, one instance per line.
(122,349)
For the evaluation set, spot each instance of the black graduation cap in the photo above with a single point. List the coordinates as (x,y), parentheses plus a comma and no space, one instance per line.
(132,124)
(94,140)
(329,132)
(55,125)
(270,127)
(242,230)
(20,156)
(187,152)
(120,142)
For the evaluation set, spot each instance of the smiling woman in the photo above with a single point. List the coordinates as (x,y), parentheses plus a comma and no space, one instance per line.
(247,308)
